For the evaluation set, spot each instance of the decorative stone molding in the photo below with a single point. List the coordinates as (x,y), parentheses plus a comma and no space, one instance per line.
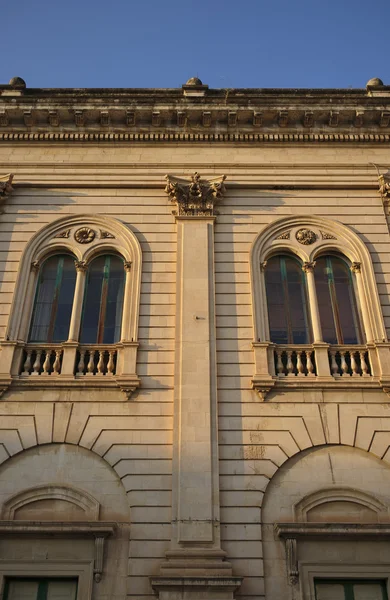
(284,236)
(305,236)
(337,494)
(106,235)
(127,265)
(63,234)
(35,266)
(327,236)
(87,503)
(84,235)
(196,198)
(292,560)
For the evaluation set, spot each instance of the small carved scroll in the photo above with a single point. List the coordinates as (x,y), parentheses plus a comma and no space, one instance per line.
(292,560)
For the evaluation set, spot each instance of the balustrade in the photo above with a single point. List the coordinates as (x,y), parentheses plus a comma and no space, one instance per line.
(41,360)
(95,361)
(294,362)
(350,361)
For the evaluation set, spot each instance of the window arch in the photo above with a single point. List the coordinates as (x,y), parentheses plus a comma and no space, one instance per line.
(103,301)
(53,300)
(340,322)
(287,300)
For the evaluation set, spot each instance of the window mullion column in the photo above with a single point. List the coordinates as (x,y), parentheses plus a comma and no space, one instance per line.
(308,268)
(75,320)
(356,269)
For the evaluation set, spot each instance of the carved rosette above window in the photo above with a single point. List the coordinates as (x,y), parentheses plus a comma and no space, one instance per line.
(195,198)
(84,235)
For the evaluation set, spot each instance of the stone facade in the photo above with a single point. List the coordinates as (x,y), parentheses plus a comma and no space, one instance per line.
(194,458)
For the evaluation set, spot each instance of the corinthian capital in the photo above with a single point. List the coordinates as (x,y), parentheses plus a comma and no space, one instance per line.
(195,198)
(308,267)
(5,186)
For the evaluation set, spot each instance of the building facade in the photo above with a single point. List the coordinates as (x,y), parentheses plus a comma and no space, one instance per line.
(194,363)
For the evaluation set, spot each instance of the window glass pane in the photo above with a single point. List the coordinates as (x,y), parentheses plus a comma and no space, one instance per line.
(286,300)
(22,590)
(103,301)
(61,590)
(53,300)
(345,301)
(321,270)
(276,302)
(330,591)
(336,301)
(368,591)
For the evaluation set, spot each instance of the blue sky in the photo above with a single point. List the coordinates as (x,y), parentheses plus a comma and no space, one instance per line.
(151,43)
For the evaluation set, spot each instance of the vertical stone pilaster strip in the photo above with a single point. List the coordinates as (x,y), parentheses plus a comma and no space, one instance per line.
(195,488)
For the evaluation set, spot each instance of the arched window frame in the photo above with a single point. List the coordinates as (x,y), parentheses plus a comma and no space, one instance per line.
(331,237)
(109,236)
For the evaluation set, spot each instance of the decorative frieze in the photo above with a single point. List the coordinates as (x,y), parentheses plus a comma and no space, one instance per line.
(308,118)
(54,118)
(195,198)
(4,120)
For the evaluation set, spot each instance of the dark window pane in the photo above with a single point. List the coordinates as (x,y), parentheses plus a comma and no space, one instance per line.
(286,300)
(103,301)
(336,301)
(53,300)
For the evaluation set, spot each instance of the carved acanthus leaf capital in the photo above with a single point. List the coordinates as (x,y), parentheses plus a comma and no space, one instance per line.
(81,265)
(5,186)
(356,267)
(308,267)
(384,184)
(195,198)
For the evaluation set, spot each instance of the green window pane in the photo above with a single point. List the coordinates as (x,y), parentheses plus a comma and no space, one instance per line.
(286,301)
(103,301)
(53,300)
(336,301)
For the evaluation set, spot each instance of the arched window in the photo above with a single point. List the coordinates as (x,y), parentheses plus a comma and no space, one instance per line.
(336,301)
(286,301)
(103,301)
(53,300)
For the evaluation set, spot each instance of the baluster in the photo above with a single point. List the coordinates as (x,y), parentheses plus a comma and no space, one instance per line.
(334,366)
(309,364)
(37,363)
(57,363)
(300,365)
(279,364)
(91,362)
(46,364)
(111,364)
(100,365)
(363,364)
(81,365)
(290,366)
(344,365)
(354,365)
(27,363)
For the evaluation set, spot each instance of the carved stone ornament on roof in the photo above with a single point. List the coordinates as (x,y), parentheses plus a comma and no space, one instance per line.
(305,236)
(284,236)
(195,198)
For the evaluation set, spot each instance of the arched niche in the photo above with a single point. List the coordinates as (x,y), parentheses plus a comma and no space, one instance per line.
(65,506)
(321,513)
